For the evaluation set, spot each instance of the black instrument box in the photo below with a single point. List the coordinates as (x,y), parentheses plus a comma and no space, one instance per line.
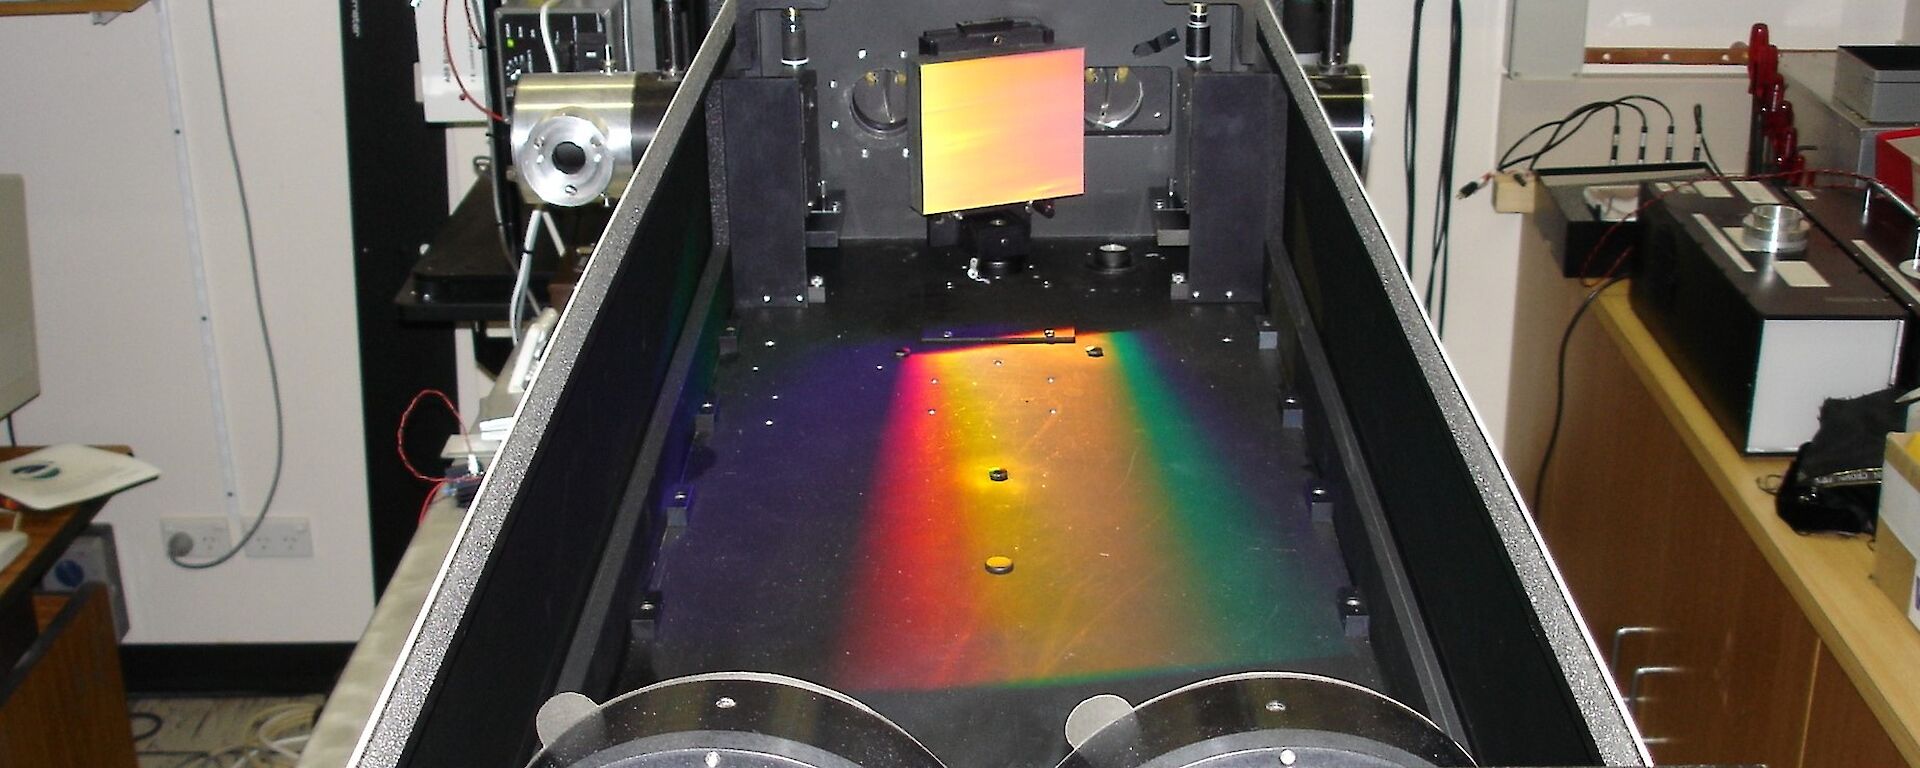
(1566,217)
(1880,235)
(1763,337)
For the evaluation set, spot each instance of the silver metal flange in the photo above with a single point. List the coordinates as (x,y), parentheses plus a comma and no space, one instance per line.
(576,137)
(1775,229)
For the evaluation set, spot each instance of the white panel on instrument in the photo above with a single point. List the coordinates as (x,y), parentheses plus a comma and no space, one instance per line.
(1805,362)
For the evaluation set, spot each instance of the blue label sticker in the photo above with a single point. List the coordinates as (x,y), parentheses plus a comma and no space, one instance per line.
(69,573)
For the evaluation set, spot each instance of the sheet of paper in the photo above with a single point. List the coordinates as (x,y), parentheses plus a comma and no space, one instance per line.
(66,474)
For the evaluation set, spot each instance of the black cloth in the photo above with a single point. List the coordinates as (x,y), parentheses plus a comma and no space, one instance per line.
(1829,487)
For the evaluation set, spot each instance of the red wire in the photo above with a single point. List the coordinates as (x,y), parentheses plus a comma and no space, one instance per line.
(428,502)
(446,44)
(1615,266)
(400,434)
(1608,235)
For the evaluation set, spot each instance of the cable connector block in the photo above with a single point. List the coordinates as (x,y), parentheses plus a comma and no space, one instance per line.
(1513,192)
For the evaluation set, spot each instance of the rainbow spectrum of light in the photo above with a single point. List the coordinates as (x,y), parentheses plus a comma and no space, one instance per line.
(1134,547)
(1003,129)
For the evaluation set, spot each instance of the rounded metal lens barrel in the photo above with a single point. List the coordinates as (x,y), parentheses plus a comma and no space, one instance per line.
(576,137)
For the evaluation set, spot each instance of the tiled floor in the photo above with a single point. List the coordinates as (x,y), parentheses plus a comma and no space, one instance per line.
(222,732)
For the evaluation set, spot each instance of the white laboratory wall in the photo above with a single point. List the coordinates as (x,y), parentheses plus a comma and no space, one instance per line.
(1479,323)
(114,239)
(1791,23)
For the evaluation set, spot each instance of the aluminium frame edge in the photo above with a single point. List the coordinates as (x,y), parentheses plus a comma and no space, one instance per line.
(384,741)
(1615,737)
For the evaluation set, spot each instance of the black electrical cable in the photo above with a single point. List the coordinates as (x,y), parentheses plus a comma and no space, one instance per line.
(1410,141)
(1583,113)
(1644,127)
(1613,151)
(1507,160)
(1441,259)
(1700,130)
(259,306)
(1560,391)
(1650,100)
(1671,125)
(1561,133)
(1637,110)
(1555,139)
(1578,119)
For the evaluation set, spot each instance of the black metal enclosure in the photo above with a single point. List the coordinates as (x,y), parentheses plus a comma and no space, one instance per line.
(777,429)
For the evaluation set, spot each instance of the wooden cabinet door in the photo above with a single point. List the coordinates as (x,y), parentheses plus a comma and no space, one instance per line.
(1604,509)
(1841,731)
(64,705)
(1735,657)
(1645,542)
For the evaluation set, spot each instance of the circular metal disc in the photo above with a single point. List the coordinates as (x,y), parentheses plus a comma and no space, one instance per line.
(1270,719)
(1095,713)
(1114,96)
(879,102)
(734,720)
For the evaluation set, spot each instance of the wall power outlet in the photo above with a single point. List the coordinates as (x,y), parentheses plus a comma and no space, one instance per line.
(282,537)
(210,536)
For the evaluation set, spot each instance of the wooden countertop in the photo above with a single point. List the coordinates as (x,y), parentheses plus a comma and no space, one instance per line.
(1872,640)
(48,534)
(50,7)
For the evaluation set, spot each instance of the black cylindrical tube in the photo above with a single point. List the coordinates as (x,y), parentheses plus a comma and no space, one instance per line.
(1199,35)
(1339,32)
(793,40)
(673,36)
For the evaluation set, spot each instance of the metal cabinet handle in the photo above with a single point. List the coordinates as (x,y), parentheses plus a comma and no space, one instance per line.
(1613,658)
(1633,684)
